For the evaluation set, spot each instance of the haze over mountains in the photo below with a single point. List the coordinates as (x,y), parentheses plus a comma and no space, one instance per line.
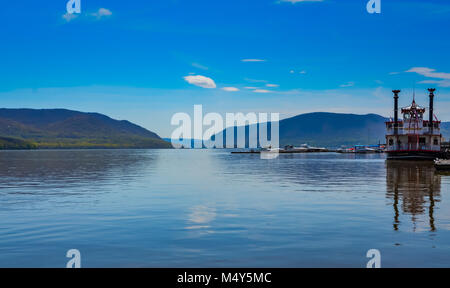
(331,129)
(335,130)
(61,128)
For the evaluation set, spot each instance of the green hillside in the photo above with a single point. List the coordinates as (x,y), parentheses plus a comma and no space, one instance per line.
(60,128)
(12,143)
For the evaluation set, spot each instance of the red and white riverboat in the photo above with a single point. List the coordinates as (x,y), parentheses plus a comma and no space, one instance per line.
(413,138)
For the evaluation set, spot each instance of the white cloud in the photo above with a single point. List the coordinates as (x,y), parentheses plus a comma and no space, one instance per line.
(302,72)
(253,60)
(102,12)
(261,91)
(430,73)
(441,83)
(444,78)
(349,84)
(251,88)
(394,73)
(201,81)
(69,17)
(272,85)
(230,89)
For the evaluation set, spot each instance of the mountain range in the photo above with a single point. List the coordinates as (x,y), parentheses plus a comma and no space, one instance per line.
(333,130)
(61,128)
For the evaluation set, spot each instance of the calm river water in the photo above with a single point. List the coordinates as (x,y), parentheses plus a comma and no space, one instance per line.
(200,208)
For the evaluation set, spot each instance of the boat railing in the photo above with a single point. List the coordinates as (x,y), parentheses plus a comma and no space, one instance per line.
(419,131)
(410,147)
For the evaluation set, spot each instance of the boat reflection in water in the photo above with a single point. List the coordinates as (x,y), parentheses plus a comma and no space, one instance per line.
(415,189)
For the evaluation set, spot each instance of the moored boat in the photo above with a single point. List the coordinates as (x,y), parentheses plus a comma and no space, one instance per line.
(413,138)
(442,164)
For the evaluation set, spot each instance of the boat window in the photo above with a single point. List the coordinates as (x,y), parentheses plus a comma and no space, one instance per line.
(391,142)
(435,141)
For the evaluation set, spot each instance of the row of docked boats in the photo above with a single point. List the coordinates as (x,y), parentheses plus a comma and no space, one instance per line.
(440,164)
(363,149)
(304,148)
(288,149)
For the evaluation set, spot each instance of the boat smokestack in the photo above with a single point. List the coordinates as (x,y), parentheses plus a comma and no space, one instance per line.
(431,90)
(396,92)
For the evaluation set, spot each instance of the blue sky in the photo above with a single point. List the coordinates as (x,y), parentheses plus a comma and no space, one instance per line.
(146,60)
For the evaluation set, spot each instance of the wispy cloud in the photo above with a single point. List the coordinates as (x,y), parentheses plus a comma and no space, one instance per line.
(444,78)
(199,66)
(255,80)
(348,84)
(253,60)
(69,17)
(272,85)
(102,12)
(430,73)
(230,89)
(440,83)
(261,91)
(201,81)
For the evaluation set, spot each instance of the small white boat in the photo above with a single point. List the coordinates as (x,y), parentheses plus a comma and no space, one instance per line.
(442,164)
(361,149)
(269,153)
(270,150)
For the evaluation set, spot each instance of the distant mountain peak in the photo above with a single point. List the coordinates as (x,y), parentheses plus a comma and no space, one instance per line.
(328,129)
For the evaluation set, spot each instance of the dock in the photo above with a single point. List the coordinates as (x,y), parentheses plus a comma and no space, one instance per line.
(286,150)
(281,152)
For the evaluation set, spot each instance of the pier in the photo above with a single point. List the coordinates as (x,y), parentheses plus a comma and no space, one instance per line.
(282,151)
(289,149)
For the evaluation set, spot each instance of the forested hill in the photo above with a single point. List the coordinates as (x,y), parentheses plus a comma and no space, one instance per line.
(61,128)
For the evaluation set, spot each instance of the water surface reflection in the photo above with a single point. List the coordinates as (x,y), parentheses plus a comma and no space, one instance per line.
(415,190)
(197,208)
(27,175)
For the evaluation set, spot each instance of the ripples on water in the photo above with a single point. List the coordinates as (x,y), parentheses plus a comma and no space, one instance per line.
(176,208)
